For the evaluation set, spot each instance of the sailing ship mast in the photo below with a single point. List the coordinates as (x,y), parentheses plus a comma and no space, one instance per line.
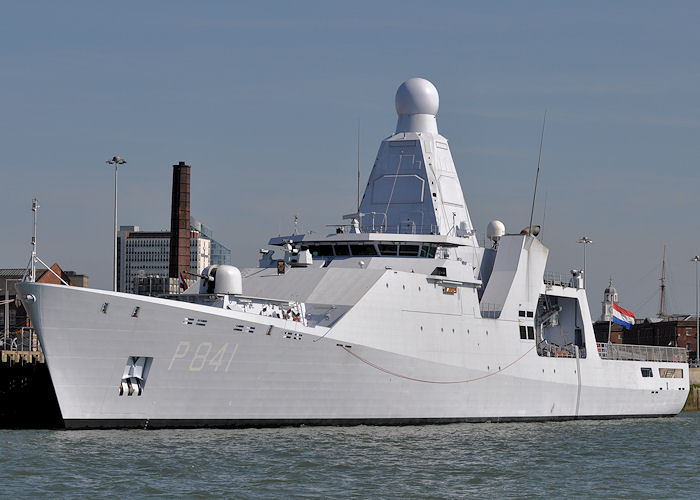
(663,286)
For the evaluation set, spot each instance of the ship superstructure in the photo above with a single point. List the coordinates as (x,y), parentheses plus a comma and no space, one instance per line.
(397,317)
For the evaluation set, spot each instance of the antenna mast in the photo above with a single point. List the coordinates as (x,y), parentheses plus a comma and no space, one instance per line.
(537,177)
(358,167)
(663,285)
(35,209)
(31,268)
(544,217)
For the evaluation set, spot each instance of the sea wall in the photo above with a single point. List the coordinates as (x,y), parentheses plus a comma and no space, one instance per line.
(27,398)
(695,376)
(693,401)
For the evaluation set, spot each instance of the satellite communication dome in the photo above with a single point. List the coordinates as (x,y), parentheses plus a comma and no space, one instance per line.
(417,96)
(495,230)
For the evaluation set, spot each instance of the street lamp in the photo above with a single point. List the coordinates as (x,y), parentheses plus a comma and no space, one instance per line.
(696,259)
(116,161)
(585,240)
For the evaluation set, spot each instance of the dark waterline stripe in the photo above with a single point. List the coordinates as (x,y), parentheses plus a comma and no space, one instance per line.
(74,424)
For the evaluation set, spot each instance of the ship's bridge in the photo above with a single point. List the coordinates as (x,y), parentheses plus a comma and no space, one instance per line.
(372,244)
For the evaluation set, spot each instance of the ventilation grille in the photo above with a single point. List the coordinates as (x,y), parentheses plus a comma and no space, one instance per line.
(244,328)
(193,321)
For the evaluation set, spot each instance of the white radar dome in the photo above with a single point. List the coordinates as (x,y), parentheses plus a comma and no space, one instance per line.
(223,279)
(417,96)
(228,280)
(495,230)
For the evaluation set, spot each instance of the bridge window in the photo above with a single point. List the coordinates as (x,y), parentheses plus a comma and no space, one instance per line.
(428,250)
(363,250)
(408,250)
(388,249)
(342,249)
(321,250)
(646,372)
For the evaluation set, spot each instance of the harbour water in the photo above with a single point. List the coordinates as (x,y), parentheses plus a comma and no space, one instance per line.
(630,458)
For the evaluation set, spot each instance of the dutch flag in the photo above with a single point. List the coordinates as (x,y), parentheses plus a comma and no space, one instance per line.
(183,283)
(622,316)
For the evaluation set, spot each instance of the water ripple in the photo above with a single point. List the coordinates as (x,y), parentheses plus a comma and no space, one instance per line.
(632,458)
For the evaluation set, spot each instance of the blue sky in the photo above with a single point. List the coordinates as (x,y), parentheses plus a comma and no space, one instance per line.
(263,101)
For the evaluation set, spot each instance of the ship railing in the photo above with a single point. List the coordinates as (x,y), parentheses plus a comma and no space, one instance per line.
(630,352)
(264,306)
(557,279)
(549,350)
(274,308)
(21,340)
(492,311)
(400,229)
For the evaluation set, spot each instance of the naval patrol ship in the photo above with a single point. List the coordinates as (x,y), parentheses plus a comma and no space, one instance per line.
(397,317)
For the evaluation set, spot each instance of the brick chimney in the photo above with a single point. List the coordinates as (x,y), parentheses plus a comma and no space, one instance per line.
(180,222)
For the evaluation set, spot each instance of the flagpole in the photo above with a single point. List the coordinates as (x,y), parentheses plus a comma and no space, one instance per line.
(609,326)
